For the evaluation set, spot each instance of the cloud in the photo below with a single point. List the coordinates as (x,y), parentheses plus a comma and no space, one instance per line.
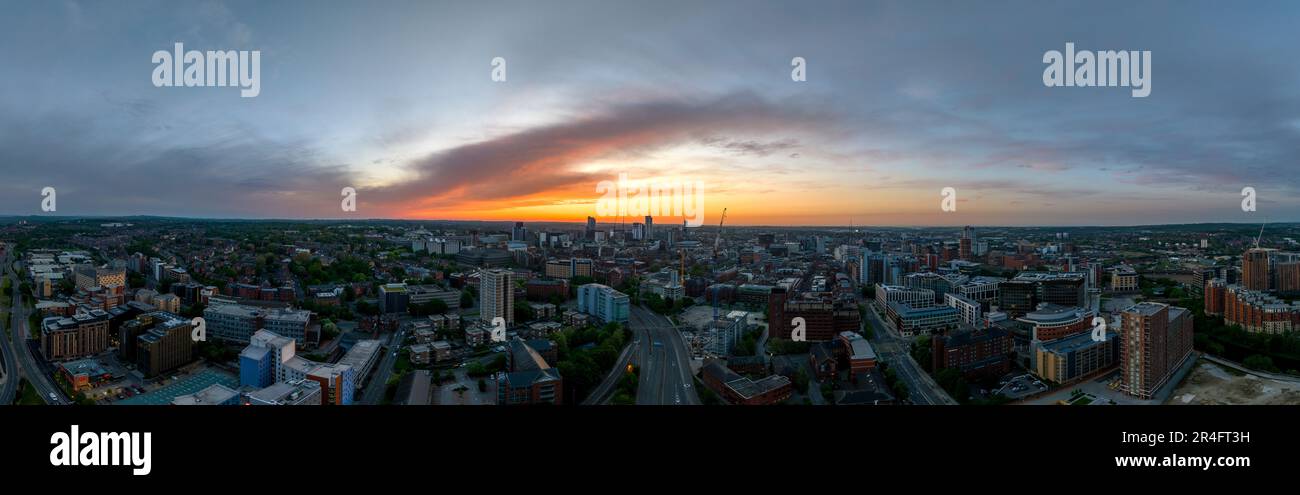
(547,159)
(226,171)
(752,147)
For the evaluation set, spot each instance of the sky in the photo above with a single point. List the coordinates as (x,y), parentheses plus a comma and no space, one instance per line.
(901,100)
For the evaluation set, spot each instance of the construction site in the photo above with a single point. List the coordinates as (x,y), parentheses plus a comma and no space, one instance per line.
(1212,383)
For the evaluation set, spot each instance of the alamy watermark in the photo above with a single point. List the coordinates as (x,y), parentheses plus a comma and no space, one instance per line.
(1126,68)
(77,448)
(637,198)
(194,68)
(949,202)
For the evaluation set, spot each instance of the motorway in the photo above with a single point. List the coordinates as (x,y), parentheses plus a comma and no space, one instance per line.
(666,377)
(45,387)
(892,348)
(374,391)
(10,367)
(604,391)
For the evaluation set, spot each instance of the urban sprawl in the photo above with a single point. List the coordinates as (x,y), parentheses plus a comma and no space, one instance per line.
(105,311)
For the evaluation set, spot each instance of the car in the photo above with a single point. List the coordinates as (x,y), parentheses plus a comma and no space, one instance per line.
(53,397)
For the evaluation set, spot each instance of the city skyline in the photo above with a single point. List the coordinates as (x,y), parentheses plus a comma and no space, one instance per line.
(625,226)
(405,112)
(464,239)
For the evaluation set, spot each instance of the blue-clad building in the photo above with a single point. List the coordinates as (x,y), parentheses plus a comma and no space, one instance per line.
(256,367)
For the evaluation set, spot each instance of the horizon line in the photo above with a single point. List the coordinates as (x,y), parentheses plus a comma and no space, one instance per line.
(581,222)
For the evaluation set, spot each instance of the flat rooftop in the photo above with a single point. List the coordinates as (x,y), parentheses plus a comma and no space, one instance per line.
(212,395)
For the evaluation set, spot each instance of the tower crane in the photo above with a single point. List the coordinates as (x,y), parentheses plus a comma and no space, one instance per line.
(718,240)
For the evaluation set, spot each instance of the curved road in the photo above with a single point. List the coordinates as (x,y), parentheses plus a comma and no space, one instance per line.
(10,367)
(45,387)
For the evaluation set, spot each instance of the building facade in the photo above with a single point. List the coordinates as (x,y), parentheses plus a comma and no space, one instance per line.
(604,303)
(1155,340)
(497,295)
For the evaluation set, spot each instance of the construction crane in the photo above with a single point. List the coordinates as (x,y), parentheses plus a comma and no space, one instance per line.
(1261,234)
(717,241)
(682,273)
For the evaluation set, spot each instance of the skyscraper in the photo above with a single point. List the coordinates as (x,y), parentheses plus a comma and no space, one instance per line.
(1287,278)
(520,233)
(496,295)
(591,229)
(1155,340)
(967,238)
(1254,269)
(649,226)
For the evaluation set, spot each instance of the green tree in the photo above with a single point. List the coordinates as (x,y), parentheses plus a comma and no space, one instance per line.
(921,352)
(431,307)
(524,311)
(801,380)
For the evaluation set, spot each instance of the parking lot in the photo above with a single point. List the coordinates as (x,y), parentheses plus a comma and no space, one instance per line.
(1020,386)
(181,385)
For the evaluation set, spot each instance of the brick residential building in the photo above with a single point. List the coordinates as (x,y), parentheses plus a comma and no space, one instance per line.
(977,353)
(1155,340)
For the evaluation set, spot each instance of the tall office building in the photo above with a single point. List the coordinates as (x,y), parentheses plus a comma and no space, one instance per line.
(519,233)
(1201,277)
(393,298)
(1254,269)
(1287,277)
(966,242)
(649,226)
(497,295)
(167,345)
(1155,340)
(591,229)
(262,362)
